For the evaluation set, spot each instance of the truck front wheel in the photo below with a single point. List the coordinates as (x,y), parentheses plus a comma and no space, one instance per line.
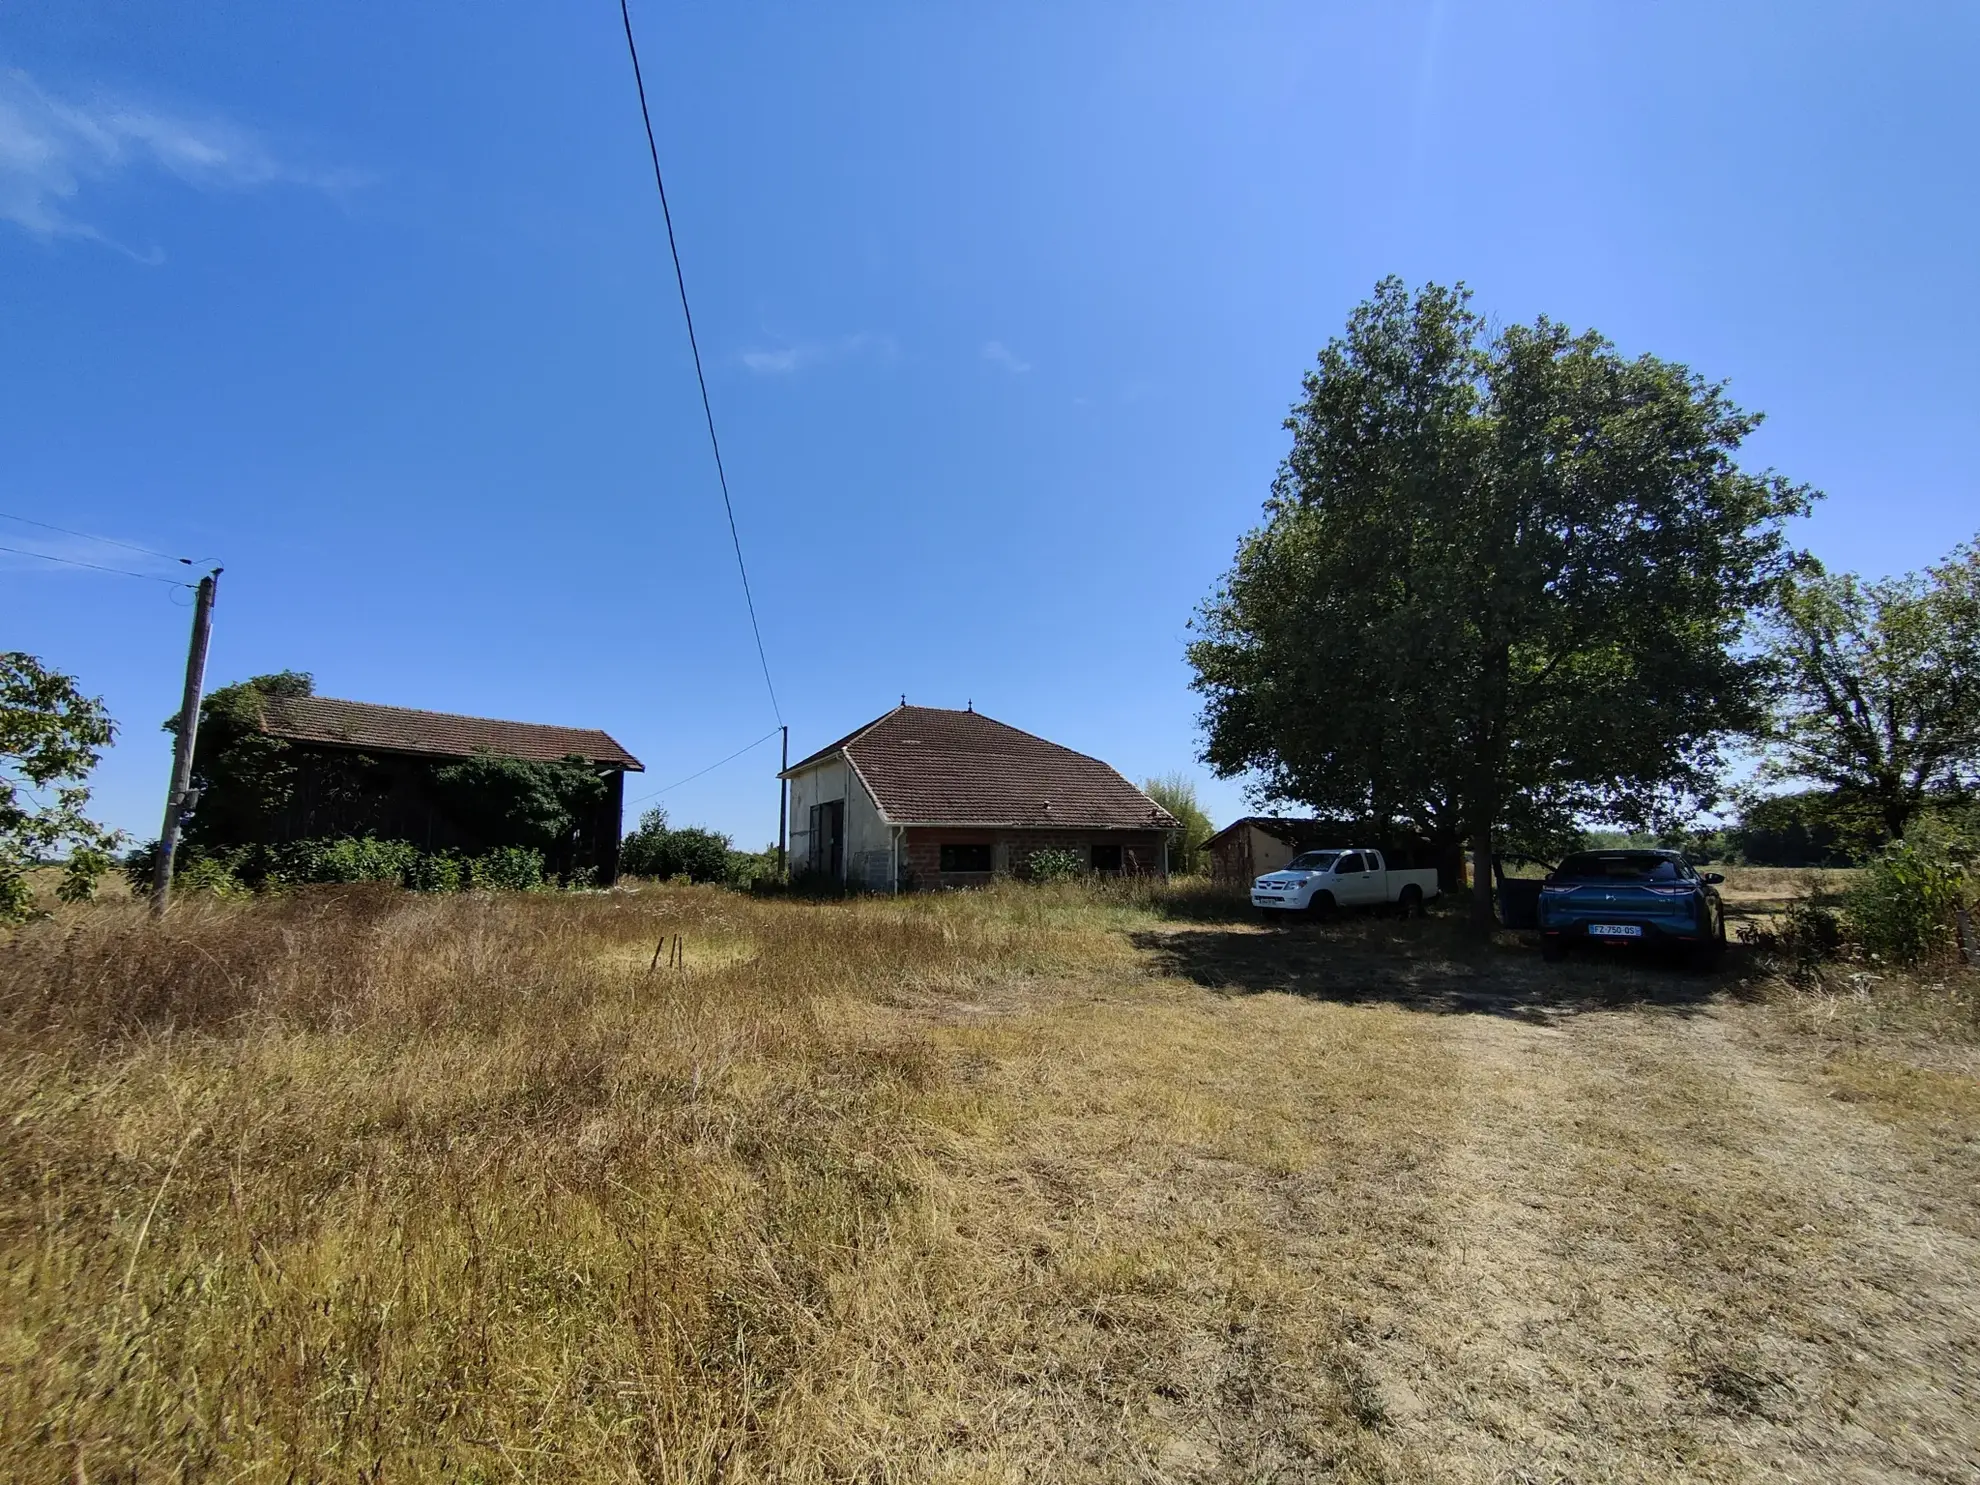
(1322,906)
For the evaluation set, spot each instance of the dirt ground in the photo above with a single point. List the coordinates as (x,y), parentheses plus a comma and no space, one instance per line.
(1366,1202)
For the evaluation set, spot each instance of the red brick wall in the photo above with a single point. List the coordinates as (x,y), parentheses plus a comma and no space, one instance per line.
(921,852)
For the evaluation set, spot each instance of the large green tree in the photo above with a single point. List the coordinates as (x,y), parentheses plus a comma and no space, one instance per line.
(1500,584)
(51,736)
(1880,686)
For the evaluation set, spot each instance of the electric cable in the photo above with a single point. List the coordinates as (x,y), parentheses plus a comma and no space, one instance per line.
(150,577)
(668,789)
(129,546)
(707,408)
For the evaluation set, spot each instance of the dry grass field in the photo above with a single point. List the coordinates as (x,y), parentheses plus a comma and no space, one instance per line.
(1024,1185)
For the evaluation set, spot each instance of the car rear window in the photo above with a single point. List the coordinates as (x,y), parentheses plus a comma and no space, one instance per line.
(1621,867)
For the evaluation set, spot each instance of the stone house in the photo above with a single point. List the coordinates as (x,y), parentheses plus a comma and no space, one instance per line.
(925,797)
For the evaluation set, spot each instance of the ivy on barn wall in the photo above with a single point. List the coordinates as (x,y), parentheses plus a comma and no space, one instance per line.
(262,790)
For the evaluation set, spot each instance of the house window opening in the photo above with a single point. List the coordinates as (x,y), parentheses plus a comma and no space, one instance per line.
(1107,860)
(966,858)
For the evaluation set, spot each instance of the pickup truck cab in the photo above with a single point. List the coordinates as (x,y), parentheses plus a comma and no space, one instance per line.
(1320,881)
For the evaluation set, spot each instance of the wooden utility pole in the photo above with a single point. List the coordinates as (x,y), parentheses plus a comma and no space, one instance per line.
(182,745)
(784,810)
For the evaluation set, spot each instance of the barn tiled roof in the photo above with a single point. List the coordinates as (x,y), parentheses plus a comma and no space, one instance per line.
(324,720)
(928,765)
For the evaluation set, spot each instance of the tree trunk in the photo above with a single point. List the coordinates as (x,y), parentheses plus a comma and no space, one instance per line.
(1482,916)
(1897,815)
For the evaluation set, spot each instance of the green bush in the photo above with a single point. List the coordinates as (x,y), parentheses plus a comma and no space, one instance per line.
(658,851)
(1805,936)
(364,859)
(204,874)
(1901,908)
(1054,864)
(751,870)
(508,869)
(308,863)
(437,872)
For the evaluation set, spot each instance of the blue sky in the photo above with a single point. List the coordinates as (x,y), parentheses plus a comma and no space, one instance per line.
(1002,307)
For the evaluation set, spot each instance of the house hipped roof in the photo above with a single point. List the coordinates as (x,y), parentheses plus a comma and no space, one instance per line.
(927,765)
(368,727)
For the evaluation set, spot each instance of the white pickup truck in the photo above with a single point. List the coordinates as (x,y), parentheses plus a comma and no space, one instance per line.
(1320,881)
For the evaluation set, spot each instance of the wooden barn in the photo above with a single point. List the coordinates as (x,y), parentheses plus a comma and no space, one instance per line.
(356,767)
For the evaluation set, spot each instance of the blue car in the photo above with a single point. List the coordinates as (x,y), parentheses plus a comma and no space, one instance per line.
(1634,898)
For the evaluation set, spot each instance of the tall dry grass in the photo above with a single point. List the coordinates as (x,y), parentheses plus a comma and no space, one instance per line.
(359,1185)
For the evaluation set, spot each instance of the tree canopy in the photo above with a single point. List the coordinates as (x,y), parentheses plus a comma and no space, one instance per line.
(1880,686)
(658,850)
(51,736)
(1176,793)
(1499,585)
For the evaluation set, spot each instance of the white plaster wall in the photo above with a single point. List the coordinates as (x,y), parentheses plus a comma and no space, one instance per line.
(869,843)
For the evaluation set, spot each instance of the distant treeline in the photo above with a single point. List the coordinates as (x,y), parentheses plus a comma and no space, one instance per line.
(1812,827)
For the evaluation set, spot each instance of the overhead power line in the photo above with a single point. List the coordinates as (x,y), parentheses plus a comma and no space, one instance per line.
(150,577)
(668,789)
(129,546)
(707,409)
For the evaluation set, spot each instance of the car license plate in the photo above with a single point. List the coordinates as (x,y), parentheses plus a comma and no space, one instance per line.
(1261,897)
(1615,930)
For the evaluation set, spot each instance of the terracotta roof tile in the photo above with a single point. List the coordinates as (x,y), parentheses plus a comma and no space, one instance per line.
(397,729)
(928,765)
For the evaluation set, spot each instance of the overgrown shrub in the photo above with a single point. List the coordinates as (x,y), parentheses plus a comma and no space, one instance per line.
(510,869)
(203,874)
(1805,936)
(751,870)
(658,851)
(360,859)
(1054,864)
(1901,908)
(308,863)
(436,872)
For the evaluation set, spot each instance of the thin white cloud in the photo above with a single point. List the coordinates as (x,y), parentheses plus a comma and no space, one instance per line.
(780,362)
(784,359)
(52,149)
(999,354)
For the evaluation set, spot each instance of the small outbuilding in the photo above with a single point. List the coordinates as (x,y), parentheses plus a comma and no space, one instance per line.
(926,797)
(1248,848)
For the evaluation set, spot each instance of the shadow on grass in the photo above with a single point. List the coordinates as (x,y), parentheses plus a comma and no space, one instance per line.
(1436,965)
